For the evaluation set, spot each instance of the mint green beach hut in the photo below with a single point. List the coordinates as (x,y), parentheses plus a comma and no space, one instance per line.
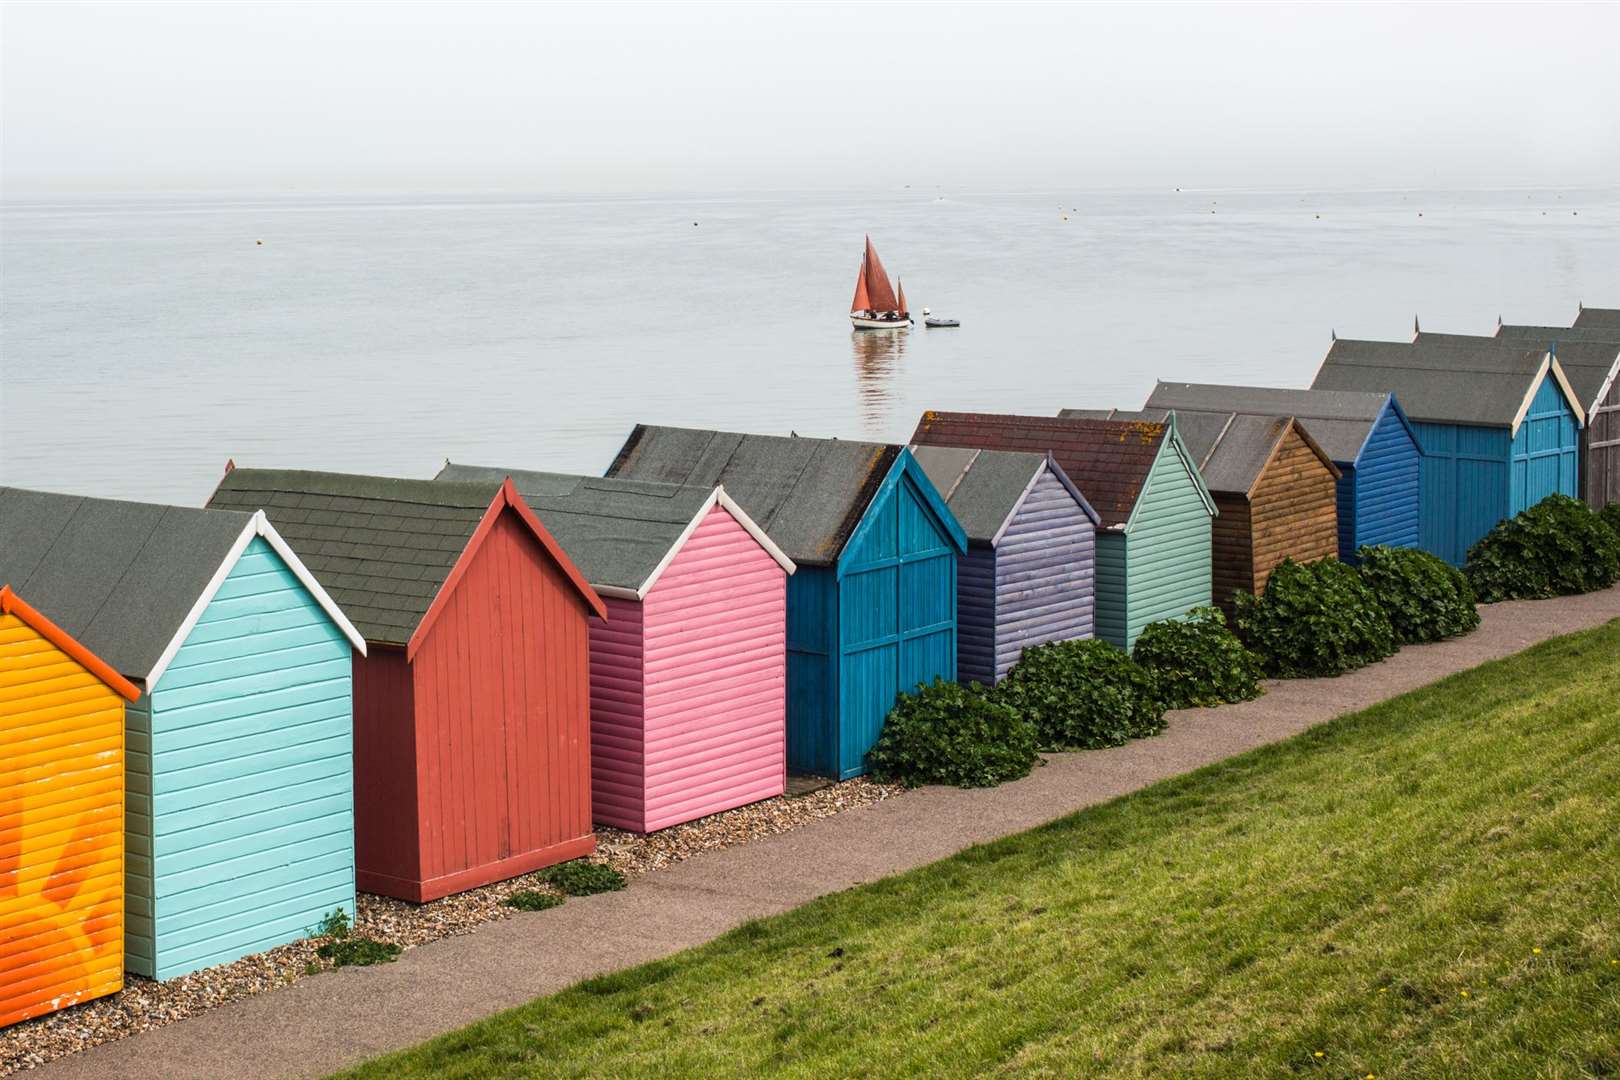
(239,819)
(1154,535)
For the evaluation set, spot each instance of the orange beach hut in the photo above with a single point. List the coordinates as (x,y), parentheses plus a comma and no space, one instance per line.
(61,817)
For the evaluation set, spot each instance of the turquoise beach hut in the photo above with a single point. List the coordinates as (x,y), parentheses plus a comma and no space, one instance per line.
(239,819)
(871,609)
(1498,422)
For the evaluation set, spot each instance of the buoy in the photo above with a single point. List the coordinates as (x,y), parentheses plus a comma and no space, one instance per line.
(694,224)
(259,242)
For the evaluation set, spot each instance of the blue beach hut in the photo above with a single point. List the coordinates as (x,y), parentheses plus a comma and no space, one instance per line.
(1366,434)
(871,610)
(239,819)
(1498,422)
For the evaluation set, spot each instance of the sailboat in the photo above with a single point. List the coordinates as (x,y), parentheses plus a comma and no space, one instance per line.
(876,307)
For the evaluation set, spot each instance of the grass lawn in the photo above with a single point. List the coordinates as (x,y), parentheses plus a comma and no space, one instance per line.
(1428,888)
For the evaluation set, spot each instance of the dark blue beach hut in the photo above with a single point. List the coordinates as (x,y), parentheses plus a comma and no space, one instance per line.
(1029,576)
(1499,425)
(1365,433)
(871,611)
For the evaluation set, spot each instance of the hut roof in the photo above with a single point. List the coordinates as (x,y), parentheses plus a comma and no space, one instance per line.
(1339,420)
(1608,318)
(383,546)
(1231,448)
(807,494)
(621,533)
(128,580)
(1108,460)
(984,487)
(1589,359)
(1500,378)
(14,605)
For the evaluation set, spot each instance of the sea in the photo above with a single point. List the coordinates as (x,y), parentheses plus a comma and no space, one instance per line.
(146,340)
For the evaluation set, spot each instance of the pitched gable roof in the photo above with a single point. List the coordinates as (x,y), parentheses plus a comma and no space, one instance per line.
(1340,421)
(128,580)
(621,533)
(1590,357)
(1231,449)
(1485,382)
(1108,460)
(807,494)
(1608,318)
(12,604)
(385,548)
(983,488)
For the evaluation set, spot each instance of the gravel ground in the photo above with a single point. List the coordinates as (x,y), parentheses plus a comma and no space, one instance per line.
(145,1004)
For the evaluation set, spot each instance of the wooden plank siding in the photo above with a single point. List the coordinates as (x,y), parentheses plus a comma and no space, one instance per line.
(1293,510)
(1045,571)
(1465,486)
(976,616)
(387,798)
(1545,450)
(715,663)
(1169,558)
(1384,489)
(813,672)
(61,828)
(248,827)
(618,705)
(501,683)
(1600,451)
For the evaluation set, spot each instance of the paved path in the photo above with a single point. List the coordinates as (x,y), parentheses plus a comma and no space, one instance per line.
(321,1024)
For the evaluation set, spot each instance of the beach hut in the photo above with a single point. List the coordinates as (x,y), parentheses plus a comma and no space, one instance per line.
(61,817)
(1029,575)
(1367,436)
(1590,357)
(471,725)
(240,801)
(871,609)
(1597,318)
(1499,425)
(1275,487)
(1153,510)
(689,670)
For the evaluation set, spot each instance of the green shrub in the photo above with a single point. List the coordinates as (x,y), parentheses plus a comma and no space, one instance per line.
(1425,599)
(947,733)
(359,952)
(532,900)
(1555,548)
(1082,695)
(1196,660)
(1314,618)
(582,878)
(1610,516)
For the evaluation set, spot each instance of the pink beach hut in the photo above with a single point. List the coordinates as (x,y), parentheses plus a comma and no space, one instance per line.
(689,670)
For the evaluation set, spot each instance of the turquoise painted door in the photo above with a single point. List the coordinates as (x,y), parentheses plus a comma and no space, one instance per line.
(1546,450)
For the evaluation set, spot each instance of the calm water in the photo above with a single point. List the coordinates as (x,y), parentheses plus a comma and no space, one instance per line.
(145,341)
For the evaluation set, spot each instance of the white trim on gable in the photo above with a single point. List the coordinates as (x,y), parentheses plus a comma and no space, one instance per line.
(259,525)
(717,497)
(1608,384)
(1549,363)
(1006,522)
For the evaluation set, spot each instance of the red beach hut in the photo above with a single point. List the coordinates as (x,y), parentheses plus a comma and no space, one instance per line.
(471,706)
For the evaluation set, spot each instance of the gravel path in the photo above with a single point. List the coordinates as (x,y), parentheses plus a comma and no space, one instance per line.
(144,1004)
(315,1026)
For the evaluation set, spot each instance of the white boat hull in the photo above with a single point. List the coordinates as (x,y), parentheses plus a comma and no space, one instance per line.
(863,322)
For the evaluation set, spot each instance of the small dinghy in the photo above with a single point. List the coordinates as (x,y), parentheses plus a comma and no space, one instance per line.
(935,320)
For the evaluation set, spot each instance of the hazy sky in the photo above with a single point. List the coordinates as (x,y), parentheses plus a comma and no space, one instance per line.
(696,97)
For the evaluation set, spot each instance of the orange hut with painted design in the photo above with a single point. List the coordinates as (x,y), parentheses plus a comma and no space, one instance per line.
(61,817)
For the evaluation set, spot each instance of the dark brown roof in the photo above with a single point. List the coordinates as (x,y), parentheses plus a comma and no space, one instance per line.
(1108,460)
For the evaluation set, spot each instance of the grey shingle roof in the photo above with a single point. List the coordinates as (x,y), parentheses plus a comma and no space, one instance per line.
(1231,448)
(807,494)
(380,546)
(1598,317)
(617,531)
(1446,383)
(1339,420)
(982,487)
(121,577)
(1586,355)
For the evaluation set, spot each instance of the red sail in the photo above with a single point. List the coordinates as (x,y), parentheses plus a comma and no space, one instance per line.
(903,309)
(878,288)
(861,303)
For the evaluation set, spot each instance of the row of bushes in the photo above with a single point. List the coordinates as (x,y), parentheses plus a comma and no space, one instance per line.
(1319,618)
